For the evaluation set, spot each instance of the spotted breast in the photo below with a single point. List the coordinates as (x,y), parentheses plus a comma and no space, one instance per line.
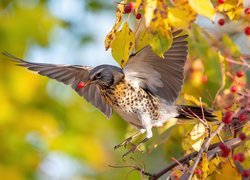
(132,102)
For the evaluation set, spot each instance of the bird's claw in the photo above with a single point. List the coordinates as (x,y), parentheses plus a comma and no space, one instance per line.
(132,150)
(134,147)
(124,143)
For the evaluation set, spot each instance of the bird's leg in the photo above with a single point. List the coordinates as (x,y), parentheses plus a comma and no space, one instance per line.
(134,147)
(128,140)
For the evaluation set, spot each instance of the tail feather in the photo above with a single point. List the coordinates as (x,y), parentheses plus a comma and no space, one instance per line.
(192,112)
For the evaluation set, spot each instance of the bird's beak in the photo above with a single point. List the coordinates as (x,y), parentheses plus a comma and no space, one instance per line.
(82,84)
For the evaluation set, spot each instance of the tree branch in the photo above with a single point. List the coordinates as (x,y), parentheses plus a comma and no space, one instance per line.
(213,149)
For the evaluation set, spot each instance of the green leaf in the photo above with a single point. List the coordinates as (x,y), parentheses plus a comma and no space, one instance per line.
(123,44)
(160,43)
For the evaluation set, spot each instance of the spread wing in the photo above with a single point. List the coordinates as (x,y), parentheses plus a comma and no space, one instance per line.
(69,75)
(162,77)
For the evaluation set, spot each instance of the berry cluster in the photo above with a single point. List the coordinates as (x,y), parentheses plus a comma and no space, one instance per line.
(221,21)
(239,74)
(239,157)
(129,8)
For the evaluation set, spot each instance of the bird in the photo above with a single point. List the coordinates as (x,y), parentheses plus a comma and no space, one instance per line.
(143,92)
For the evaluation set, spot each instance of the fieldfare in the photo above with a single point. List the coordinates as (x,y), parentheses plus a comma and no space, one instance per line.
(143,92)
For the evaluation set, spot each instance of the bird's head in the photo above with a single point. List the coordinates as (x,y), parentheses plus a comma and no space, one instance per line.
(105,76)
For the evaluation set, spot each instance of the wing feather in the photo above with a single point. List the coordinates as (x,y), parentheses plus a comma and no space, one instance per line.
(163,77)
(69,75)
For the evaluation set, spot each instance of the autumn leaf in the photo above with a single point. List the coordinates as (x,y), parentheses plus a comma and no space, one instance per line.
(123,44)
(111,35)
(181,15)
(213,165)
(228,171)
(233,9)
(137,5)
(175,17)
(192,99)
(143,40)
(204,166)
(161,43)
(197,136)
(156,18)
(150,6)
(203,7)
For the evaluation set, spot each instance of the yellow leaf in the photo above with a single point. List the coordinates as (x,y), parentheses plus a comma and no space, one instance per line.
(204,166)
(197,136)
(150,6)
(143,40)
(203,7)
(176,16)
(123,44)
(228,171)
(161,43)
(119,17)
(137,5)
(192,99)
(181,15)
(213,165)
(233,8)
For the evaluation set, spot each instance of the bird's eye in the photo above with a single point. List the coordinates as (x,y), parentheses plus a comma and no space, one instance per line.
(98,75)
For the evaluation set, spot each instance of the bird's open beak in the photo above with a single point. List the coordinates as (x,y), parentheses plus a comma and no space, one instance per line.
(82,84)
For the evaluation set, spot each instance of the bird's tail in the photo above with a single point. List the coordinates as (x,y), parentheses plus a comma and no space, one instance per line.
(195,112)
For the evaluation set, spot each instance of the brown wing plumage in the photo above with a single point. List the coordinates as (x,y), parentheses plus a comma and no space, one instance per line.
(69,75)
(163,77)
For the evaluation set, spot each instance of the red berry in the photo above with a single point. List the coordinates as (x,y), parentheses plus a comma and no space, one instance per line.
(127,9)
(247,30)
(223,146)
(204,79)
(138,16)
(81,85)
(242,117)
(234,89)
(221,22)
(236,157)
(247,10)
(241,157)
(132,5)
(242,136)
(198,172)
(240,73)
(221,1)
(246,173)
(228,117)
(224,150)
(225,153)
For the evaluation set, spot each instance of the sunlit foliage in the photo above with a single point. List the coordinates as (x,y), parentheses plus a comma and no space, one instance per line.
(34,124)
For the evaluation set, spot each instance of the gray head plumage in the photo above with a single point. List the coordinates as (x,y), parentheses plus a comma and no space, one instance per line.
(106,75)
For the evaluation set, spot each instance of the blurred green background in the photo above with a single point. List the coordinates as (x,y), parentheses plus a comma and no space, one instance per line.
(46,130)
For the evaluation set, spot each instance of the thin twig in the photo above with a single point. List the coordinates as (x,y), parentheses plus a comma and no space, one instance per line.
(134,168)
(221,140)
